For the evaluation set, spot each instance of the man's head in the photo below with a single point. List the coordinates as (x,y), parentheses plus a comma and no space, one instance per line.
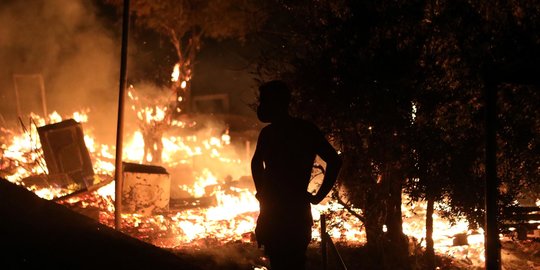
(274,98)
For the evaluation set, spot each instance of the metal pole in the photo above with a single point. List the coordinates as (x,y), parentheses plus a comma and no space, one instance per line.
(492,243)
(323,242)
(120,122)
(336,252)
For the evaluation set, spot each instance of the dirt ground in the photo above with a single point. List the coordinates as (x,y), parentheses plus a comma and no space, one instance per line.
(516,255)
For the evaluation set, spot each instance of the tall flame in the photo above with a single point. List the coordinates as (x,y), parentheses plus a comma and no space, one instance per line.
(176,73)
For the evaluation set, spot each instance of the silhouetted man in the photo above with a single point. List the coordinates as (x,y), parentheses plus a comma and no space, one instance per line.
(281,168)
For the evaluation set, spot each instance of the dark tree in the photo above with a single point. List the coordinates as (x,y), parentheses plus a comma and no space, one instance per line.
(398,86)
(464,43)
(351,65)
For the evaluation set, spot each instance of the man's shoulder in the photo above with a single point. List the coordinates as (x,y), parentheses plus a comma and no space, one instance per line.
(266,128)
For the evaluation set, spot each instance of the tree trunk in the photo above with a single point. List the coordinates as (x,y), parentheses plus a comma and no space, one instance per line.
(182,87)
(398,243)
(186,58)
(394,220)
(430,250)
(375,215)
(153,147)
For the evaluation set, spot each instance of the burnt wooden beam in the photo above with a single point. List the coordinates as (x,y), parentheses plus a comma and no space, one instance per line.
(86,190)
(191,203)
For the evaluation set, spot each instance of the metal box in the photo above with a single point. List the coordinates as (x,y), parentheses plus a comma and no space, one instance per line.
(145,190)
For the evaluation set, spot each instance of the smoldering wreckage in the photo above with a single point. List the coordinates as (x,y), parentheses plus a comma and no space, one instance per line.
(60,168)
(59,200)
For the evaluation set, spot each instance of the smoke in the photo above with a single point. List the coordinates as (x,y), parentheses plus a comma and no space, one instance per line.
(71,48)
(74,46)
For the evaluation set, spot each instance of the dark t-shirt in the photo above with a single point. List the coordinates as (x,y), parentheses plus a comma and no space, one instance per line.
(288,150)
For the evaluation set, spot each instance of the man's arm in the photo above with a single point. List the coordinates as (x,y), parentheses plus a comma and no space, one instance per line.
(333,165)
(257,164)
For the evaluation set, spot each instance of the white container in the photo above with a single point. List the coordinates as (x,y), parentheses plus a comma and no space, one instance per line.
(145,191)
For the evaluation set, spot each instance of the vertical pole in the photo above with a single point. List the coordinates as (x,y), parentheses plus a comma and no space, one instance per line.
(323,242)
(120,123)
(43,96)
(492,243)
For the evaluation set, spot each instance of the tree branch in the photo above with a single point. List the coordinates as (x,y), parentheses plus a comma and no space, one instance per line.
(349,208)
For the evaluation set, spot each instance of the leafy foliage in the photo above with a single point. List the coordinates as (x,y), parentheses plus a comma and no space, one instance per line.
(358,67)
(465,41)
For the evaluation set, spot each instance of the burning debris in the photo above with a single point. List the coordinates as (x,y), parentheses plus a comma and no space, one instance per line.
(67,158)
(203,196)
